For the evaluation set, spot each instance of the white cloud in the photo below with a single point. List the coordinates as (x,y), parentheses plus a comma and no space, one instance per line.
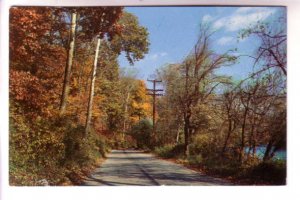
(207,18)
(242,18)
(220,23)
(155,56)
(225,40)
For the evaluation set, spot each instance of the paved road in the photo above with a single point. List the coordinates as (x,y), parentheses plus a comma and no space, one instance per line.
(132,167)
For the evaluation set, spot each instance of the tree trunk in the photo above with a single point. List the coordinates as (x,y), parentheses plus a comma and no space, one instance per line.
(186,133)
(66,83)
(241,154)
(267,155)
(92,86)
(228,136)
(254,148)
(125,114)
(177,136)
(251,139)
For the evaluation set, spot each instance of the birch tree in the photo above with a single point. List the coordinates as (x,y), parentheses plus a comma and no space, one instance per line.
(68,68)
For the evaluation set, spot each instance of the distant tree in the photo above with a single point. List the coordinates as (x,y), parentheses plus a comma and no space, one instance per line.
(169,122)
(142,134)
(127,83)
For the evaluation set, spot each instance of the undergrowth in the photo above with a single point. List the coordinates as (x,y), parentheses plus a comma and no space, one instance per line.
(61,156)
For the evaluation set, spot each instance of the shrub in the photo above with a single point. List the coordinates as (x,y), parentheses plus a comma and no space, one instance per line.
(195,160)
(203,145)
(82,152)
(273,172)
(78,148)
(53,149)
(142,132)
(35,151)
(164,151)
(120,141)
(103,148)
(170,151)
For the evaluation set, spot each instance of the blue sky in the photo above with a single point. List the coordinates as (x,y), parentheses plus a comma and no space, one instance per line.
(173,32)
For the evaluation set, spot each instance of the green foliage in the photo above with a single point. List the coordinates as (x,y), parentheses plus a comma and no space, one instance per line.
(215,127)
(81,152)
(123,141)
(34,149)
(165,151)
(273,172)
(204,145)
(142,132)
(170,151)
(43,143)
(133,40)
(195,160)
(82,149)
(51,149)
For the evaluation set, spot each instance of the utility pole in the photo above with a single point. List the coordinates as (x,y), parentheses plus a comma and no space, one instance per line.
(153,93)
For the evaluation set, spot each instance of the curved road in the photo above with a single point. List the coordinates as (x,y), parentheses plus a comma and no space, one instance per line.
(130,167)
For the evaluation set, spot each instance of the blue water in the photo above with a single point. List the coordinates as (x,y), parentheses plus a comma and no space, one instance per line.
(260,151)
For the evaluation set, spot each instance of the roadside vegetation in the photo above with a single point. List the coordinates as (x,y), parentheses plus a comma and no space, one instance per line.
(71,103)
(219,124)
(53,90)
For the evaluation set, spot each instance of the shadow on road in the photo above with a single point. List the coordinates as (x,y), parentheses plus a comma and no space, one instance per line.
(140,169)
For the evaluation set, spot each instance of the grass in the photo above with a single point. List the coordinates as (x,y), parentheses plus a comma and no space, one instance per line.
(253,172)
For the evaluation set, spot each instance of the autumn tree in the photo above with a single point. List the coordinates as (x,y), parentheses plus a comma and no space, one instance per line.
(41,140)
(270,80)
(134,44)
(170,121)
(230,106)
(127,80)
(35,41)
(199,79)
(35,84)
(133,41)
(92,22)
(68,63)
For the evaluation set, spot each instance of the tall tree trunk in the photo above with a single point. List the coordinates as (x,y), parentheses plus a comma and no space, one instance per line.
(241,154)
(125,114)
(186,133)
(267,155)
(251,138)
(177,136)
(80,79)
(92,86)
(66,83)
(228,136)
